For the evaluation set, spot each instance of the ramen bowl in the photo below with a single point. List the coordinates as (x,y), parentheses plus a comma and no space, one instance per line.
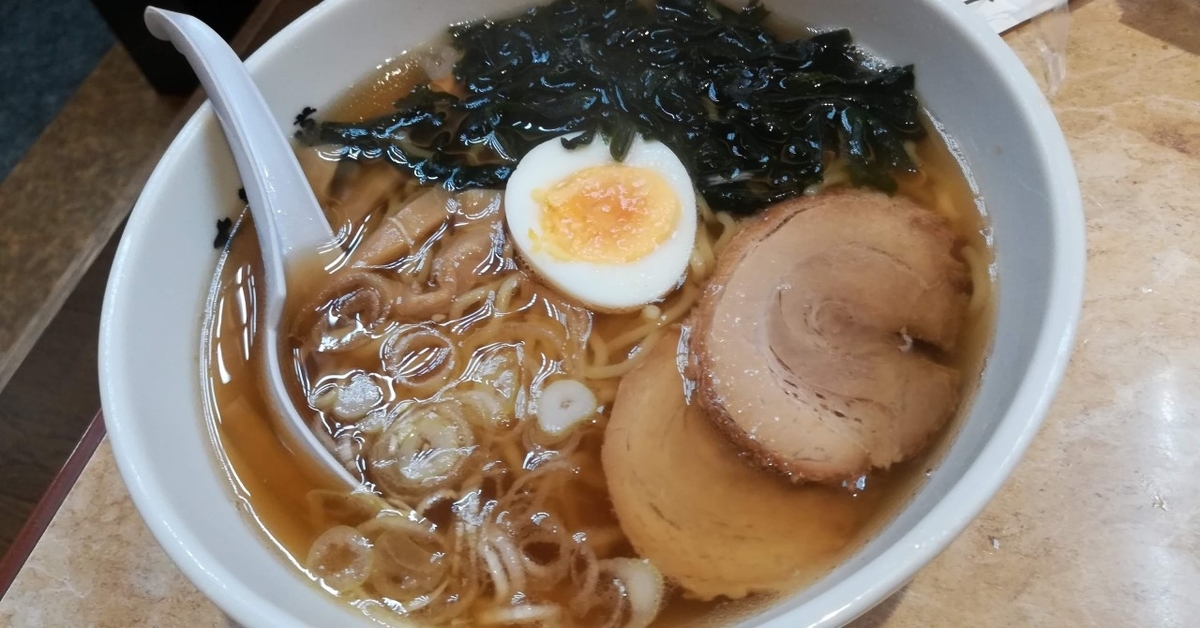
(150,345)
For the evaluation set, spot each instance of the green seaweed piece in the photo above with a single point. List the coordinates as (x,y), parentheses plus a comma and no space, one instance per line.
(752,117)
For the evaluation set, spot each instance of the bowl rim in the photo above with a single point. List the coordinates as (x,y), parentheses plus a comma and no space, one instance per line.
(862,590)
(858,592)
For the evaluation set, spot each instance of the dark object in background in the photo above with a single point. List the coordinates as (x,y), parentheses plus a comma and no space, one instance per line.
(165,68)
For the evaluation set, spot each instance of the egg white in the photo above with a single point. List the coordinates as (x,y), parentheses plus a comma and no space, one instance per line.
(617,286)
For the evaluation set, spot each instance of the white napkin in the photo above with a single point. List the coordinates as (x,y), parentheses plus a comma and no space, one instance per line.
(1005,14)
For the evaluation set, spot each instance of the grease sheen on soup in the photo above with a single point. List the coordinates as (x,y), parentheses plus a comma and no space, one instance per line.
(473,510)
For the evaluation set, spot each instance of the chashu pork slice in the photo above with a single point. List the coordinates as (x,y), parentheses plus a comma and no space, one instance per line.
(711,522)
(815,346)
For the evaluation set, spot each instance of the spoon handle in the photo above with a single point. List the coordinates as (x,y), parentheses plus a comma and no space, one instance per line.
(295,220)
(290,223)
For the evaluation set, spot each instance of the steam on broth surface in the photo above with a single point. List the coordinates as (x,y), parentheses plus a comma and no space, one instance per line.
(427,359)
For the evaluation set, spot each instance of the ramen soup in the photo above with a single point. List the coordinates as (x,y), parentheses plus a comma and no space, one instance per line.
(639,315)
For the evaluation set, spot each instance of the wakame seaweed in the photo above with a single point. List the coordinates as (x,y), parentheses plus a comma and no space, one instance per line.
(752,116)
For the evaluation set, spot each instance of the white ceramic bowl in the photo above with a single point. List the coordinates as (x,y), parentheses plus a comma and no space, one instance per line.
(150,334)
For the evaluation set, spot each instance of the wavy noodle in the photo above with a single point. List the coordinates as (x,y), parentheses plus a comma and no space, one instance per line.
(680,305)
(471,300)
(702,260)
(599,349)
(945,206)
(836,173)
(506,291)
(620,368)
(729,228)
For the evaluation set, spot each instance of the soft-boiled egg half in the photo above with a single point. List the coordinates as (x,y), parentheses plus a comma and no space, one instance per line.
(614,235)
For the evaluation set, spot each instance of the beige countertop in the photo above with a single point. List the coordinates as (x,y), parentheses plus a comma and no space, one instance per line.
(1099,525)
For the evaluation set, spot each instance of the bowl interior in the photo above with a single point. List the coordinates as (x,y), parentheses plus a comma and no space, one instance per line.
(150,342)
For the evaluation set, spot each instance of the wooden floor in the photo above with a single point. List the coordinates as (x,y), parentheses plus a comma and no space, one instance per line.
(61,209)
(50,400)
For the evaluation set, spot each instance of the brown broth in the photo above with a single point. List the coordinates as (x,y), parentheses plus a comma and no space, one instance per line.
(273,485)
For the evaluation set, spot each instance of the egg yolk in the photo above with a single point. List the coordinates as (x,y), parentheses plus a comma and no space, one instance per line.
(607,214)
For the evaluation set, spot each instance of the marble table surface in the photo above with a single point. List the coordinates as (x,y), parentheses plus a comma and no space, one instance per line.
(1100,523)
